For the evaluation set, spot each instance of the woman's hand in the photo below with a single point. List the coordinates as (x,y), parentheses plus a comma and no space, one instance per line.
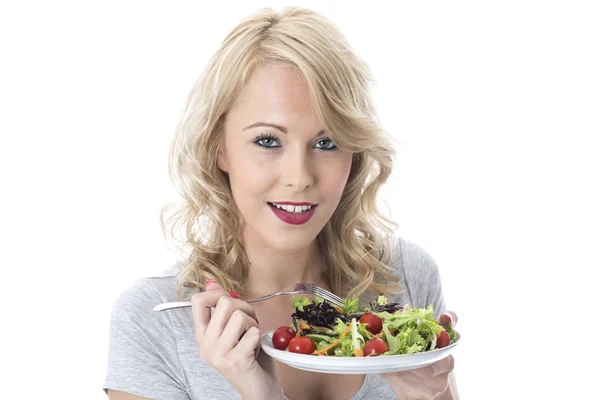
(423,383)
(229,341)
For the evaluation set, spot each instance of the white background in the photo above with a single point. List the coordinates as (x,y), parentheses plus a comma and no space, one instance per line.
(496,110)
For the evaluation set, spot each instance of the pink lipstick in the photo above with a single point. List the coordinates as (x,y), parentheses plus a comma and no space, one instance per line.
(293,213)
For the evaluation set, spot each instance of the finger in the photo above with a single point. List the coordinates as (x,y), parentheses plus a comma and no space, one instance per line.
(250,342)
(449,364)
(201,309)
(421,374)
(212,285)
(438,368)
(224,308)
(237,326)
(454,317)
(442,367)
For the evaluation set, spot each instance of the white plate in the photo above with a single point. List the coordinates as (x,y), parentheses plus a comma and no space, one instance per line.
(355,365)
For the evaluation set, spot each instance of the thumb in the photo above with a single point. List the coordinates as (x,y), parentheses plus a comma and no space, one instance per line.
(454,317)
(212,284)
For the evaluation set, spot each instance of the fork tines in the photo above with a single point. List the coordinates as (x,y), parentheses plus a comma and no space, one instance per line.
(327,295)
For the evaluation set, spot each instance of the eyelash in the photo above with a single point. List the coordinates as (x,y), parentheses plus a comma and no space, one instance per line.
(267,136)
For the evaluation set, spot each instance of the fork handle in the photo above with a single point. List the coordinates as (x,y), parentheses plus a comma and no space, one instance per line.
(273,295)
(171,305)
(183,304)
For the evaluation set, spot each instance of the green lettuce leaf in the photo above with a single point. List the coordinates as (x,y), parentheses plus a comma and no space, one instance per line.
(410,331)
(300,302)
(317,337)
(350,305)
(451,332)
(382,300)
(322,344)
(345,347)
(340,327)
(362,329)
(394,343)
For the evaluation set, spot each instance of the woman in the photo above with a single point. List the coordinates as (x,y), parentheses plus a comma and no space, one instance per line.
(279,160)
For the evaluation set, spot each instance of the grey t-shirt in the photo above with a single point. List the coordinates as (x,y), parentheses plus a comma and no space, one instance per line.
(155,355)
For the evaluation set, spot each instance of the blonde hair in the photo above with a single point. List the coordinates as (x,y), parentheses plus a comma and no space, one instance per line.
(352,242)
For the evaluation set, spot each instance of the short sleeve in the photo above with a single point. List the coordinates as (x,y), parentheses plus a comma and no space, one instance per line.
(142,351)
(422,276)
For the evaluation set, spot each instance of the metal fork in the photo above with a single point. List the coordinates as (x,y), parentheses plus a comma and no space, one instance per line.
(299,288)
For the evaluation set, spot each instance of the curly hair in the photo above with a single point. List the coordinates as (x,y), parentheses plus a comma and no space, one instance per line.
(353,241)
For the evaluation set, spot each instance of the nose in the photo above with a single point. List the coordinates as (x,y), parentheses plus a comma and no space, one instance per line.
(296,169)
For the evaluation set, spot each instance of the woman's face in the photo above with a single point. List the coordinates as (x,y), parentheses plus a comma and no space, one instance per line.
(287,176)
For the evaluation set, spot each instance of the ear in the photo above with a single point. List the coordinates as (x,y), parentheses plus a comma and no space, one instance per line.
(221,159)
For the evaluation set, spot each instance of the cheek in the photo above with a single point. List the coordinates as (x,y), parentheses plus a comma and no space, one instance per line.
(249,177)
(335,175)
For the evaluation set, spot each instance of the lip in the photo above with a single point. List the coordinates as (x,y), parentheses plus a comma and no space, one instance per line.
(291,203)
(294,219)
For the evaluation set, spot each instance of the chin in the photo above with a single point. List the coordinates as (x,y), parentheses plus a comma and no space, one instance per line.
(289,243)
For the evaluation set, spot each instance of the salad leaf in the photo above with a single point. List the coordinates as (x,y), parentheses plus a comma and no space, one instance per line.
(340,327)
(322,344)
(357,338)
(394,343)
(362,329)
(350,305)
(413,330)
(410,316)
(339,332)
(321,314)
(316,336)
(451,332)
(299,302)
(414,348)
(382,300)
(346,347)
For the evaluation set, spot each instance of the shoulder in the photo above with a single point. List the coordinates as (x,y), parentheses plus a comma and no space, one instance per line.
(411,259)
(138,299)
(419,274)
(143,353)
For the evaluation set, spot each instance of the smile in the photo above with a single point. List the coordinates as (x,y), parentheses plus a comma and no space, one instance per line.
(293,209)
(293,213)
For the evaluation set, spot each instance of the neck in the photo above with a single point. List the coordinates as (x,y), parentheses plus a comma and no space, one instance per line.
(272,270)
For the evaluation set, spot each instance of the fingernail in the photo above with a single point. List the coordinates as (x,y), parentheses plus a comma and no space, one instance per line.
(211,284)
(235,295)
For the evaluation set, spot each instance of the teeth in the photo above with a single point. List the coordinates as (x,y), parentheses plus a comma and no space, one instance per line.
(292,209)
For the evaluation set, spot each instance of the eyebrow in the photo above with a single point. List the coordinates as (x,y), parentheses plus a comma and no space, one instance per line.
(278,127)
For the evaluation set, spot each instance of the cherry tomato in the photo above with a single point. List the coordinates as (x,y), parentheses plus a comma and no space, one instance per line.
(302,345)
(443,339)
(282,337)
(446,320)
(374,323)
(375,347)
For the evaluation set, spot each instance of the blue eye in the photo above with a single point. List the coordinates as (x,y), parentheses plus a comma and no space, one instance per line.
(269,141)
(266,141)
(326,144)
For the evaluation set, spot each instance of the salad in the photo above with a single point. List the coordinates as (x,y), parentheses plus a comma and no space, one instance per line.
(382,328)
